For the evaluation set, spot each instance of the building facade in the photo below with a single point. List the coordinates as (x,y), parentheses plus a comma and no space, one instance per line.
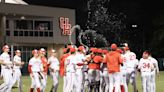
(28,27)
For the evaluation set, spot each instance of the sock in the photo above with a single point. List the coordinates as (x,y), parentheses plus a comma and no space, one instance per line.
(38,90)
(122,88)
(31,89)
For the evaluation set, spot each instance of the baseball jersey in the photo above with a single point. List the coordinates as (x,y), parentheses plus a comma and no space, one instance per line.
(79,59)
(130,60)
(95,62)
(17,59)
(70,63)
(36,64)
(145,66)
(113,60)
(5,57)
(124,67)
(45,64)
(155,63)
(62,64)
(54,63)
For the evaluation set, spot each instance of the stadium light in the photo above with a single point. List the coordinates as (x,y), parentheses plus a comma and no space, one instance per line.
(134,26)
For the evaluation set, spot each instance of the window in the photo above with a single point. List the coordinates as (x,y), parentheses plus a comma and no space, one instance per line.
(43,25)
(8,32)
(15,33)
(26,33)
(41,34)
(33,28)
(23,24)
(46,34)
(36,33)
(7,24)
(51,34)
(20,33)
(31,33)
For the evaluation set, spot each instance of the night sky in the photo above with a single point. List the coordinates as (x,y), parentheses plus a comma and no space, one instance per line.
(140,12)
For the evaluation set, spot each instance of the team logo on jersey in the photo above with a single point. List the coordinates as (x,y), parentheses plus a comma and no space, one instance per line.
(65,26)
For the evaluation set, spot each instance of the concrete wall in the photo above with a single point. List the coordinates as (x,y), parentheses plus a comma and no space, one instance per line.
(14,11)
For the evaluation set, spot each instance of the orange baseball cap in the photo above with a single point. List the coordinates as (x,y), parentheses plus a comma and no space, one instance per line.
(99,50)
(105,51)
(72,50)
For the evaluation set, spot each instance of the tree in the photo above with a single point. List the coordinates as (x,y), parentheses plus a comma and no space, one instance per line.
(111,25)
(92,39)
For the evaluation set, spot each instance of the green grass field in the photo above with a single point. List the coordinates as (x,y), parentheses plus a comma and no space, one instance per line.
(27,82)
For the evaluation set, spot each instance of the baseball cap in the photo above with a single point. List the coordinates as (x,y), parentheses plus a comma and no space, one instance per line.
(17,51)
(72,50)
(35,51)
(99,50)
(42,50)
(81,48)
(5,47)
(105,51)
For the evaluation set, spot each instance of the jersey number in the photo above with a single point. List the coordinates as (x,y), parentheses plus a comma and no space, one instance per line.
(146,65)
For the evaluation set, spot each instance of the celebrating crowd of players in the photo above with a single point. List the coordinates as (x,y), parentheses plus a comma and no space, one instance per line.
(97,70)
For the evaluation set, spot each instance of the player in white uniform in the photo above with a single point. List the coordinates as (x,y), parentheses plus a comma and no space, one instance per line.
(54,69)
(17,72)
(123,72)
(70,71)
(35,68)
(79,65)
(146,66)
(6,70)
(153,73)
(42,55)
(104,79)
(131,64)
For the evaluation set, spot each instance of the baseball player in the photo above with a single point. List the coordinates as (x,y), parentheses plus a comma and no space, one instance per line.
(104,79)
(113,59)
(54,69)
(17,72)
(79,65)
(146,67)
(94,70)
(6,70)
(153,73)
(35,68)
(70,71)
(131,65)
(62,70)
(42,53)
(123,70)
